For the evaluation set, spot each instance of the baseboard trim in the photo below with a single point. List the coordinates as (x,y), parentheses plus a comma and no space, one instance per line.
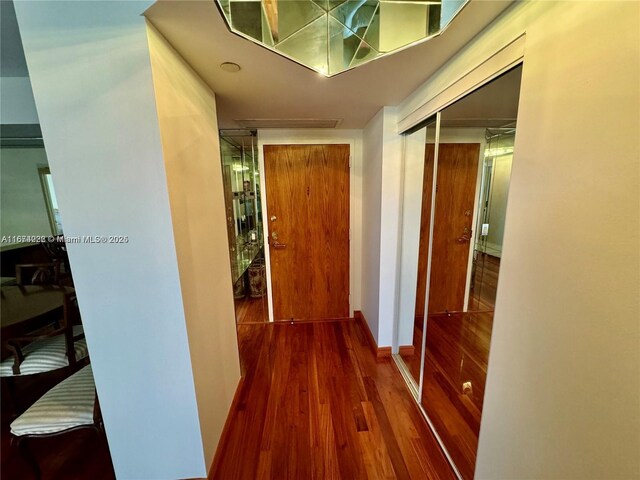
(406,350)
(312,320)
(383,352)
(378,352)
(222,442)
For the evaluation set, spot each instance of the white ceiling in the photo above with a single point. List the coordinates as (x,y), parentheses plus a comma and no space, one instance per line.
(493,105)
(272,87)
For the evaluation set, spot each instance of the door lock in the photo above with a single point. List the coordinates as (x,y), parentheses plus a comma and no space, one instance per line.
(466,236)
(275,243)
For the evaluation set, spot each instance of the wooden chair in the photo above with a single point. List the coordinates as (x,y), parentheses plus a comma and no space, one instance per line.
(45,350)
(70,405)
(57,251)
(38,273)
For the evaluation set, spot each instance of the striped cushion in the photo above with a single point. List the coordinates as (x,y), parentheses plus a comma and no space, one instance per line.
(69,404)
(45,355)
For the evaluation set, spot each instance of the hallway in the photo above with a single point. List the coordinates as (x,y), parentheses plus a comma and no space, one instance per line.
(316,404)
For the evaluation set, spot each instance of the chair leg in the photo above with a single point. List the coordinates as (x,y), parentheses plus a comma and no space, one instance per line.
(21,443)
(9,384)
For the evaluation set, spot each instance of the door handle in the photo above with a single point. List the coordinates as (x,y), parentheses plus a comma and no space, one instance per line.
(466,236)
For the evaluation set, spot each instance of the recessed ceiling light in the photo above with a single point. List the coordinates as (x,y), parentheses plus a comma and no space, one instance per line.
(230,67)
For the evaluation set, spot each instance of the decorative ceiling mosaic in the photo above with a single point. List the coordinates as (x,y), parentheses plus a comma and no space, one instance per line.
(332,36)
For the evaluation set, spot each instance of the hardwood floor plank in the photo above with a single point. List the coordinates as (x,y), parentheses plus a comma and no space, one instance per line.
(317,404)
(376,456)
(344,427)
(324,456)
(397,460)
(264,466)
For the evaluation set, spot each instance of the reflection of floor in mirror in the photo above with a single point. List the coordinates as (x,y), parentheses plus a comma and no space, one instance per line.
(412,360)
(316,403)
(482,296)
(457,352)
(251,310)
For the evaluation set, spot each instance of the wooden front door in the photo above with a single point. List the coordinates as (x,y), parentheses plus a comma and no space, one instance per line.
(308,227)
(453,221)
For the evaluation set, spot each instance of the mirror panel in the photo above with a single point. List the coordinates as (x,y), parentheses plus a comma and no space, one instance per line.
(344,33)
(297,45)
(491,212)
(419,148)
(241,180)
(452,236)
(475,152)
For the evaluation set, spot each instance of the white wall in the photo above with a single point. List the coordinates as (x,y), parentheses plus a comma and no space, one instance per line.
(562,398)
(390,211)
(91,75)
(191,147)
(24,210)
(382,184)
(17,102)
(325,136)
(371,219)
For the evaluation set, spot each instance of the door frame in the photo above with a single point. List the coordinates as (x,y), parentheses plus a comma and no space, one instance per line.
(306,137)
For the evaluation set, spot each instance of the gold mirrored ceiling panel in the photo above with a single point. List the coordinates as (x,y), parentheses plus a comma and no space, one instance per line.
(332,36)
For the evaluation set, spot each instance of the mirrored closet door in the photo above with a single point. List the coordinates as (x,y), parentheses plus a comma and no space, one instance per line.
(457,168)
(418,192)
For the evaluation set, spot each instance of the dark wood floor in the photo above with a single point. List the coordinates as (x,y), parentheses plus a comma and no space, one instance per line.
(251,310)
(484,284)
(457,352)
(315,404)
(482,298)
(80,455)
(414,359)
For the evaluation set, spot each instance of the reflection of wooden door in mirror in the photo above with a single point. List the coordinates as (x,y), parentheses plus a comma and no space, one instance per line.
(307,192)
(425,224)
(453,221)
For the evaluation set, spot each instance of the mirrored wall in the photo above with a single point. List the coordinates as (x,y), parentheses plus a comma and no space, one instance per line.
(418,196)
(457,169)
(241,179)
(492,208)
(344,33)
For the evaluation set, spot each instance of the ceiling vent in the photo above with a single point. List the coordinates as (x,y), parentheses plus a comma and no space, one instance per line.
(256,123)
